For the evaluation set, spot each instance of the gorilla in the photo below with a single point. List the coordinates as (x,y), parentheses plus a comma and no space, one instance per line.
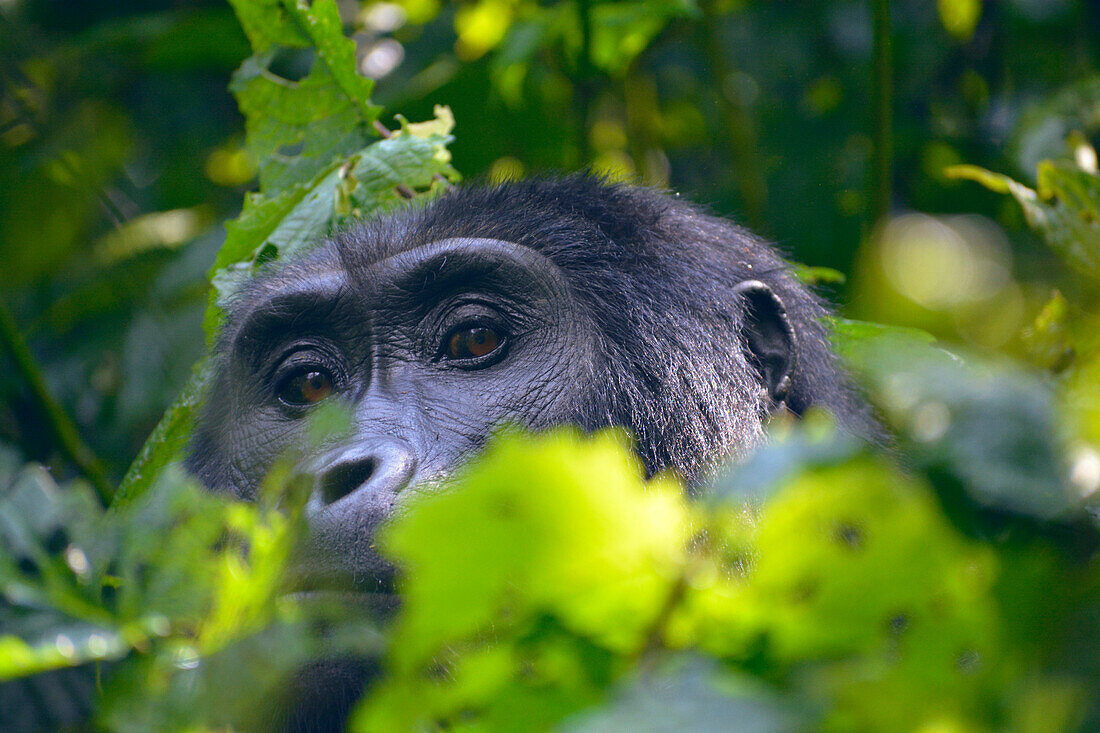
(536,303)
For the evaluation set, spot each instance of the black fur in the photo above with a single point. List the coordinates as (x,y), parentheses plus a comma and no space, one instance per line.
(645,323)
(657,275)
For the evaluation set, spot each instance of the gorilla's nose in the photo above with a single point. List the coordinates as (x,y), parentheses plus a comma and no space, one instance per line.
(366,474)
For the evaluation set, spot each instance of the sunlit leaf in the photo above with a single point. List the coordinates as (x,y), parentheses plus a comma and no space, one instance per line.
(550,537)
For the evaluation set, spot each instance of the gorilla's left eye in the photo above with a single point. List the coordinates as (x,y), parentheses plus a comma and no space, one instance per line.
(472,342)
(305,386)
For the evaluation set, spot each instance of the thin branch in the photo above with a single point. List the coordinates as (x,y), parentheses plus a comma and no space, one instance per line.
(882,116)
(60,424)
(736,119)
(584,80)
(654,637)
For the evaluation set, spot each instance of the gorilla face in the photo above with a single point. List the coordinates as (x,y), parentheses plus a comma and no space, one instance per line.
(534,304)
(429,349)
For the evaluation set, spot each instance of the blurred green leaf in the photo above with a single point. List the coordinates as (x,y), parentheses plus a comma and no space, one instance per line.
(690,693)
(1065,210)
(622,30)
(168,441)
(805,449)
(573,557)
(50,197)
(960,17)
(1045,125)
(176,586)
(991,427)
(859,342)
(542,526)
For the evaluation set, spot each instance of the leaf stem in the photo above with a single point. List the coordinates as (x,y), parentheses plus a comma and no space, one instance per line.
(59,423)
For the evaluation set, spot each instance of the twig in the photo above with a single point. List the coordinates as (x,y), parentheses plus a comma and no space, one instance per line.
(653,640)
(744,148)
(585,75)
(882,102)
(60,424)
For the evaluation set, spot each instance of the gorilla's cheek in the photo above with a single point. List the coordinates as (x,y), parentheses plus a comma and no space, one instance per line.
(256,444)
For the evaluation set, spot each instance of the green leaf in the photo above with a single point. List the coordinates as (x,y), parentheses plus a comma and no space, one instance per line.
(1070,220)
(368,181)
(860,343)
(304,194)
(267,23)
(989,426)
(177,585)
(863,543)
(327,113)
(68,647)
(558,555)
(861,584)
(552,512)
(1065,210)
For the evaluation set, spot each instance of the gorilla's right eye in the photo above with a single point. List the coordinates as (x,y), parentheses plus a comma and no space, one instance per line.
(305,386)
(472,342)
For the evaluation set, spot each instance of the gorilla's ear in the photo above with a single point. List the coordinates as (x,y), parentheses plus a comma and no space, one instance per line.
(768,337)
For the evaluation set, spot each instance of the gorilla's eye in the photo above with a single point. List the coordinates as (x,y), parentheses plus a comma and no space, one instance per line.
(472,342)
(305,386)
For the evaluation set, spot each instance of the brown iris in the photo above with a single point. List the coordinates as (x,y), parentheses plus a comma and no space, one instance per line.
(306,387)
(470,343)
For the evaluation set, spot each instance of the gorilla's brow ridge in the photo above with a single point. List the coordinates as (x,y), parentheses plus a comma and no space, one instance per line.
(284,314)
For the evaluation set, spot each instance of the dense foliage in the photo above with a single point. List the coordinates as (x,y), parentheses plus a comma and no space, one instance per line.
(947,581)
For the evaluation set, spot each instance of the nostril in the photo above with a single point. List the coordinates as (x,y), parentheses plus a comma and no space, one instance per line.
(366,477)
(344,478)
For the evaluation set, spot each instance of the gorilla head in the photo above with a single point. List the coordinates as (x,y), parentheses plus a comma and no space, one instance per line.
(535,303)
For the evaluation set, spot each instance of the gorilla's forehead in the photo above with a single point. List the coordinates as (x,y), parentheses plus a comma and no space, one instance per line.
(354,249)
(328,273)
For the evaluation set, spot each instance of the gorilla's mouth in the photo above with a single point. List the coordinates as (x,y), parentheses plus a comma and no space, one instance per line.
(373,587)
(379,606)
